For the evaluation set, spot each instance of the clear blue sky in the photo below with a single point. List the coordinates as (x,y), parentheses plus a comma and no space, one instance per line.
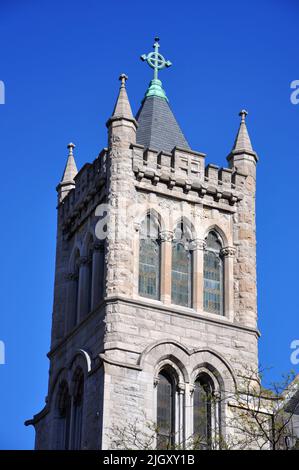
(60,62)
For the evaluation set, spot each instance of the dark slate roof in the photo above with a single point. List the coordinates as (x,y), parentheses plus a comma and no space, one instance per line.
(157,126)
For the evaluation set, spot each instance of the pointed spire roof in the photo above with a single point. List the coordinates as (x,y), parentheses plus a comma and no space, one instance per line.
(242,141)
(70,169)
(122,108)
(157,126)
(242,148)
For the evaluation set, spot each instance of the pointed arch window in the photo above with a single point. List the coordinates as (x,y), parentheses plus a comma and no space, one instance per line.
(181,269)
(166,410)
(149,259)
(202,412)
(213,275)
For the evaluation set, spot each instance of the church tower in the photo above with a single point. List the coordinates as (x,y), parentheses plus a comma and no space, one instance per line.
(155,285)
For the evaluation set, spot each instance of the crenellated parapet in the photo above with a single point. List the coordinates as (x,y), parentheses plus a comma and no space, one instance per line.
(185,170)
(88,192)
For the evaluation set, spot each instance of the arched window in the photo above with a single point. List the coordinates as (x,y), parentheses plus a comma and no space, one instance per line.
(64,417)
(202,412)
(181,270)
(213,275)
(149,259)
(78,411)
(165,411)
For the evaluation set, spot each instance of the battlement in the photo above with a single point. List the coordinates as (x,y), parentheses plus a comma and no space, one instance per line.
(186,169)
(180,169)
(87,193)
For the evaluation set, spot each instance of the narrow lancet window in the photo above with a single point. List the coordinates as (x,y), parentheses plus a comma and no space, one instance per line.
(213,275)
(165,411)
(149,259)
(181,272)
(202,412)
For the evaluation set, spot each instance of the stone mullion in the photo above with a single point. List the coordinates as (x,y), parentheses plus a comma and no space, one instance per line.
(166,238)
(190,413)
(198,246)
(181,415)
(228,254)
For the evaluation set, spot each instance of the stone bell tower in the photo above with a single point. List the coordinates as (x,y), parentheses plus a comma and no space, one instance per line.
(155,284)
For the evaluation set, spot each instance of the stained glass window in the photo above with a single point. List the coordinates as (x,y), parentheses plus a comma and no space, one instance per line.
(149,259)
(181,273)
(213,275)
(165,411)
(202,412)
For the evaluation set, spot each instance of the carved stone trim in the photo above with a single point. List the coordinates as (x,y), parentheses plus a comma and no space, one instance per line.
(166,236)
(171,183)
(198,244)
(140,175)
(228,251)
(155,180)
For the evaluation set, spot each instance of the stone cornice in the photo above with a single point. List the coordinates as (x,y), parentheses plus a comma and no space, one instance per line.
(127,365)
(167,193)
(186,312)
(121,118)
(201,188)
(243,152)
(76,329)
(172,310)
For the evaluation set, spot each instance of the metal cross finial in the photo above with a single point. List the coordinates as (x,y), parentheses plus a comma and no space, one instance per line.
(123,78)
(155,60)
(243,113)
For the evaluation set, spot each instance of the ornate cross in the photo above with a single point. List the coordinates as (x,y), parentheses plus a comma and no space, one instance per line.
(155,60)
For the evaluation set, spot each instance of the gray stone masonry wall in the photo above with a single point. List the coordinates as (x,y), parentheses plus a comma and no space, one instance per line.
(126,337)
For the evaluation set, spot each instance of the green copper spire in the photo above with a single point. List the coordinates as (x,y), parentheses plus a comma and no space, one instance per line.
(157,62)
